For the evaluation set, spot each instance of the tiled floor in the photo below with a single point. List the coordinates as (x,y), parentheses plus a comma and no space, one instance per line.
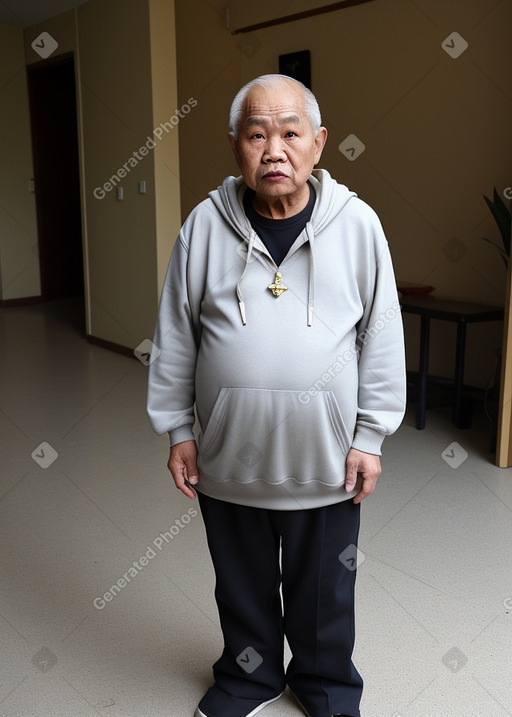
(434,591)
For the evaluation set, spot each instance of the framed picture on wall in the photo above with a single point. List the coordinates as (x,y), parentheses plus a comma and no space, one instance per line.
(297,65)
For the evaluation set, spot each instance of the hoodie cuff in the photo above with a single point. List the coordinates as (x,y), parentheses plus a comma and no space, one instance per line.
(180,434)
(368,440)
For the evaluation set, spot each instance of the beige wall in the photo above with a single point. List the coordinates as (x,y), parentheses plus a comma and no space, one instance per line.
(126,80)
(436,131)
(115,81)
(166,112)
(19,264)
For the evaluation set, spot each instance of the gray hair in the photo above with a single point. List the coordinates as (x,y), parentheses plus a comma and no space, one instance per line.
(273,82)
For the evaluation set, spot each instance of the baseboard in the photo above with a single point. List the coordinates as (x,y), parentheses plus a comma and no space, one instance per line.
(23,301)
(110,345)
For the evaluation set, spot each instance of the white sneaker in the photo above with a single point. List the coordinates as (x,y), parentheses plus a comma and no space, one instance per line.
(249,714)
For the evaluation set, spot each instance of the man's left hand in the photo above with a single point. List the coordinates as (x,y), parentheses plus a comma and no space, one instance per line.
(368,466)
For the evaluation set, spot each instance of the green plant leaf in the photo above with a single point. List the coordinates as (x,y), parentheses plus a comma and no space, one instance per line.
(502,217)
(502,252)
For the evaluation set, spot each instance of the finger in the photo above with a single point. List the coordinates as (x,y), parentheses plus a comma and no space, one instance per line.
(367,489)
(188,491)
(179,477)
(359,497)
(182,484)
(191,473)
(351,477)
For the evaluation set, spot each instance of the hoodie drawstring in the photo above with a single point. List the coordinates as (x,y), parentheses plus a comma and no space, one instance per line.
(311,279)
(241,304)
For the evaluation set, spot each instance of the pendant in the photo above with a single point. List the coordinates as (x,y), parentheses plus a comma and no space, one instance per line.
(278,288)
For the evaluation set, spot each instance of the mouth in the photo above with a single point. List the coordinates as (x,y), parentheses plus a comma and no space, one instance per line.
(275,175)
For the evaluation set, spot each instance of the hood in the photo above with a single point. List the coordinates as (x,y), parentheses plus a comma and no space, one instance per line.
(331,198)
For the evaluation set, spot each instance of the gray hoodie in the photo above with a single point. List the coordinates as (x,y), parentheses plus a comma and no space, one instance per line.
(282,385)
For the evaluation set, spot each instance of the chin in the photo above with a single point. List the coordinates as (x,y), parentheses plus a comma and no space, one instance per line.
(276,190)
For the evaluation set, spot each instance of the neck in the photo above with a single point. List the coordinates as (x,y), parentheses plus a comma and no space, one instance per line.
(281,207)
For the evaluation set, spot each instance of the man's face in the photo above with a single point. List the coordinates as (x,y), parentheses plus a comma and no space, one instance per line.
(276,148)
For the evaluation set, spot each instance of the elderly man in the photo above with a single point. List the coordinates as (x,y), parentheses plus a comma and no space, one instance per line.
(279,330)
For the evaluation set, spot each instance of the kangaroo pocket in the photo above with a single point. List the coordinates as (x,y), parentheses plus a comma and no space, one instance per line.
(274,436)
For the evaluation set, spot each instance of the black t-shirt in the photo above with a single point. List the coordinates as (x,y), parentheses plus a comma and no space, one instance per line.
(278,234)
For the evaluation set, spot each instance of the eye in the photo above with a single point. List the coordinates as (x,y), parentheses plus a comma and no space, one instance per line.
(257,135)
(291,134)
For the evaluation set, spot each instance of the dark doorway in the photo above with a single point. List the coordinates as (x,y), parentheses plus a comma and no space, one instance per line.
(53,114)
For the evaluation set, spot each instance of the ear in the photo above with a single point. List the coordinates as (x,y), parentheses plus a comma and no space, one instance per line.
(320,140)
(234,146)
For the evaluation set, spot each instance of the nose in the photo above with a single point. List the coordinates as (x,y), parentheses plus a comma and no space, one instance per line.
(274,151)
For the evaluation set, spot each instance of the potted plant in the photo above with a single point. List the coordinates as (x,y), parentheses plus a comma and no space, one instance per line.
(502,217)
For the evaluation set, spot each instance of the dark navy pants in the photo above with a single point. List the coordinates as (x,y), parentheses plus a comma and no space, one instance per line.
(316,613)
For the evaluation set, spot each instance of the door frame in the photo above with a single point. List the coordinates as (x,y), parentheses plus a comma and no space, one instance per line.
(32,70)
(504,438)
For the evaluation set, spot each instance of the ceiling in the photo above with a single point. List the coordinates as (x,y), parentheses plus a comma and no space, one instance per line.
(25,13)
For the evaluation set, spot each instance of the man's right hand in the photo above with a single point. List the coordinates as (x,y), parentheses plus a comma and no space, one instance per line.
(183,466)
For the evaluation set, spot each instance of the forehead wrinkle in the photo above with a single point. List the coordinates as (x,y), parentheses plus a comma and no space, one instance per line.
(262,120)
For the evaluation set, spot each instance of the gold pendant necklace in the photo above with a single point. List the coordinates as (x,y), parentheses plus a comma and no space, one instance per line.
(278,288)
